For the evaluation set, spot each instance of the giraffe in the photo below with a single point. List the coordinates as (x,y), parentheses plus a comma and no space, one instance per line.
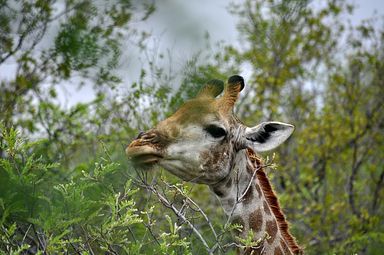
(204,142)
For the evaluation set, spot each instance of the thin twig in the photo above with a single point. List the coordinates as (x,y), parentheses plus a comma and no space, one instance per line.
(240,198)
(196,205)
(25,235)
(167,204)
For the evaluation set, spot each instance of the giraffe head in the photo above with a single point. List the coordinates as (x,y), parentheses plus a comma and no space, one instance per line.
(199,141)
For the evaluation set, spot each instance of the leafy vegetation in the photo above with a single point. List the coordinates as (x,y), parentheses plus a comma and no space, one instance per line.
(66,186)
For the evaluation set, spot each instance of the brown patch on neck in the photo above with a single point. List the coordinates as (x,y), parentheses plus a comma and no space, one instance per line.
(239,221)
(278,251)
(266,208)
(218,191)
(273,203)
(253,250)
(271,230)
(248,196)
(256,220)
(229,183)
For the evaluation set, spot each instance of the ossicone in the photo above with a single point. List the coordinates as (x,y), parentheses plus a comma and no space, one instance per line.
(212,89)
(235,84)
(236,80)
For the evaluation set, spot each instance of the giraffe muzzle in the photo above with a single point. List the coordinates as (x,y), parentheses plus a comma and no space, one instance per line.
(144,150)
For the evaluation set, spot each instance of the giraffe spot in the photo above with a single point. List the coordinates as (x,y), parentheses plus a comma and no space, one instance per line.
(238,221)
(266,208)
(218,191)
(215,157)
(284,247)
(231,202)
(256,220)
(248,196)
(278,251)
(229,183)
(272,230)
(253,250)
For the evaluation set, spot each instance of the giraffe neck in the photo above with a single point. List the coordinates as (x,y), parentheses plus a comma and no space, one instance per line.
(246,202)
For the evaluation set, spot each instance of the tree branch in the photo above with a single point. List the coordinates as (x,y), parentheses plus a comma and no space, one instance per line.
(379,186)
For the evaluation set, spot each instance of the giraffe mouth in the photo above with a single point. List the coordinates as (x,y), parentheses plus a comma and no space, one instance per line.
(143,155)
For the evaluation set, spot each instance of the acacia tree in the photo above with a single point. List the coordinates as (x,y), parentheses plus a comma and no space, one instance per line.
(50,45)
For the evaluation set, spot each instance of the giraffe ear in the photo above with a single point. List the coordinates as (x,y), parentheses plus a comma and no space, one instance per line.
(267,135)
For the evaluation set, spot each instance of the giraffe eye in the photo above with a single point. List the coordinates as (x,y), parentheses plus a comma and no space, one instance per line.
(215,131)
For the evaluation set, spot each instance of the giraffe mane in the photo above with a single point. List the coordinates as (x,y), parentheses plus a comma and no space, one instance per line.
(273,203)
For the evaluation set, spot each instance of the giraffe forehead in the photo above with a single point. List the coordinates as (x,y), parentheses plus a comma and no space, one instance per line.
(196,111)
(193,115)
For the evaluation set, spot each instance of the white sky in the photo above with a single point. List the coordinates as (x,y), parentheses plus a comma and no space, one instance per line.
(180,26)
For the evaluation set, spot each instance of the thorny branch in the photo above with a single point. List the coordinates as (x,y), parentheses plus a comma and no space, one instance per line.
(181,213)
(177,212)
(189,204)
(240,198)
(379,185)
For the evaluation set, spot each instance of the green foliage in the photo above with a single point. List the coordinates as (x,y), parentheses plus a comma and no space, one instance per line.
(93,211)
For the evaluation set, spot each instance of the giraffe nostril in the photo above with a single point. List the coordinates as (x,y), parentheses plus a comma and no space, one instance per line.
(149,136)
(140,134)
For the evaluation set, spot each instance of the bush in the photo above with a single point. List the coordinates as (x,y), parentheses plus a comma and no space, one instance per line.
(90,211)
